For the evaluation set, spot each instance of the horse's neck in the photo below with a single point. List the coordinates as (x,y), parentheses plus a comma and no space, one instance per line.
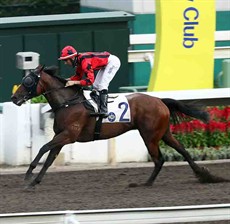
(62,96)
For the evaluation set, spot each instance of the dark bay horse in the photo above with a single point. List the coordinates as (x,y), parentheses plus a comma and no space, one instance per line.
(72,121)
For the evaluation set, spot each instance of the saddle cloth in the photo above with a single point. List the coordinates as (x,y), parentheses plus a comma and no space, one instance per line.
(118,108)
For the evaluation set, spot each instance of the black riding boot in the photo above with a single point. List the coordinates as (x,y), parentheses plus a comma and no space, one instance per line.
(103,103)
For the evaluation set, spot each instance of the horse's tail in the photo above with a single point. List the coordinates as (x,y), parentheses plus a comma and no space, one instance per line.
(177,108)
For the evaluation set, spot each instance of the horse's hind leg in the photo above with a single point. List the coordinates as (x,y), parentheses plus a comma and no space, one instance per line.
(158,160)
(152,133)
(152,144)
(201,172)
(156,156)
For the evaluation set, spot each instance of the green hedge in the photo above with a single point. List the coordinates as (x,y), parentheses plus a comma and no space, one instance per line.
(39,99)
(170,154)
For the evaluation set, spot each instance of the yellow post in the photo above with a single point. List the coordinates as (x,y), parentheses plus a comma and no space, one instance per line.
(185,44)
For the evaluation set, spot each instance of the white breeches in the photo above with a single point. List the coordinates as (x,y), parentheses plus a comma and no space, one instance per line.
(105,75)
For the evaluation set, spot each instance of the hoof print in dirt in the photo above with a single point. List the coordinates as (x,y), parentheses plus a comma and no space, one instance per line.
(133,185)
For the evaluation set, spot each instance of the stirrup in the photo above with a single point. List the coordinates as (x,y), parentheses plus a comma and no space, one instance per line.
(98,114)
(105,115)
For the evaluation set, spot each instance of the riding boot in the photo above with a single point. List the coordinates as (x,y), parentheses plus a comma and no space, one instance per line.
(103,110)
(95,96)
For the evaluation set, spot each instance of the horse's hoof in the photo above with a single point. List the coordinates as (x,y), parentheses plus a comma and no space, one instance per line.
(133,185)
(206,177)
(205,169)
(147,184)
(29,188)
(28,177)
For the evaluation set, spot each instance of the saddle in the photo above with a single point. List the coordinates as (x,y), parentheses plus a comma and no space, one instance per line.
(118,110)
(96,98)
(93,102)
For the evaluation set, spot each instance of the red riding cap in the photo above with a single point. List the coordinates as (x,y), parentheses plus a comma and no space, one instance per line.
(67,52)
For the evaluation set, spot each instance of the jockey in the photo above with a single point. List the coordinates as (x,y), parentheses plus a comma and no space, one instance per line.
(86,63)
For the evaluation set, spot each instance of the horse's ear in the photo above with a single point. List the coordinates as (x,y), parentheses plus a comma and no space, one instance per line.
(52,70)
(39,69)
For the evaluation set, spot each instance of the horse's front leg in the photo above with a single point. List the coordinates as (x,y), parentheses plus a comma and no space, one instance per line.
(35,162)
(54,146)
(51,157)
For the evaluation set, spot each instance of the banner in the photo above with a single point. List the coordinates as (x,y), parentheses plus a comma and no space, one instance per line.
(184,57)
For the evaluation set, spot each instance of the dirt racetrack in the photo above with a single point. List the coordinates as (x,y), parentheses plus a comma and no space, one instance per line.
(109,188)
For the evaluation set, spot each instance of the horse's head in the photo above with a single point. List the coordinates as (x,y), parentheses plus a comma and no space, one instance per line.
(43,80)
(28,88)
(31,85)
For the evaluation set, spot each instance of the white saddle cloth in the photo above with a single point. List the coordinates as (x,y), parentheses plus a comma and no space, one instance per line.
(118,108)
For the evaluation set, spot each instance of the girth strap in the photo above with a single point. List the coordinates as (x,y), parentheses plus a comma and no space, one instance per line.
(97,129)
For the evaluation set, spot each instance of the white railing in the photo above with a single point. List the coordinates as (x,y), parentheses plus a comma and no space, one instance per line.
(216,97)
(148,55)
(157,215)
(104,151)
(138,39)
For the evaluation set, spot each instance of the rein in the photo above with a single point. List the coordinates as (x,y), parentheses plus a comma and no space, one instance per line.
(67,103)
(51,90)
(31,81)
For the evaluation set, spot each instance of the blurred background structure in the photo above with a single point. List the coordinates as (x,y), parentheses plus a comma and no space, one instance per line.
(49,33)
(44,27)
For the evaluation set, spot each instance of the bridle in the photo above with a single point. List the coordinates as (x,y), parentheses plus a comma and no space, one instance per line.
(31,81)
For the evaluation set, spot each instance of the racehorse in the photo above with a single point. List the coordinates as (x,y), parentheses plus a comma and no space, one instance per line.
(73,122)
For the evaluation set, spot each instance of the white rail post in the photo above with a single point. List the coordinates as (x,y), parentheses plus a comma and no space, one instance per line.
(70,218)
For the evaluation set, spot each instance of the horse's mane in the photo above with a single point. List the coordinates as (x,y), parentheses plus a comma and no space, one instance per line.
(52,71)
